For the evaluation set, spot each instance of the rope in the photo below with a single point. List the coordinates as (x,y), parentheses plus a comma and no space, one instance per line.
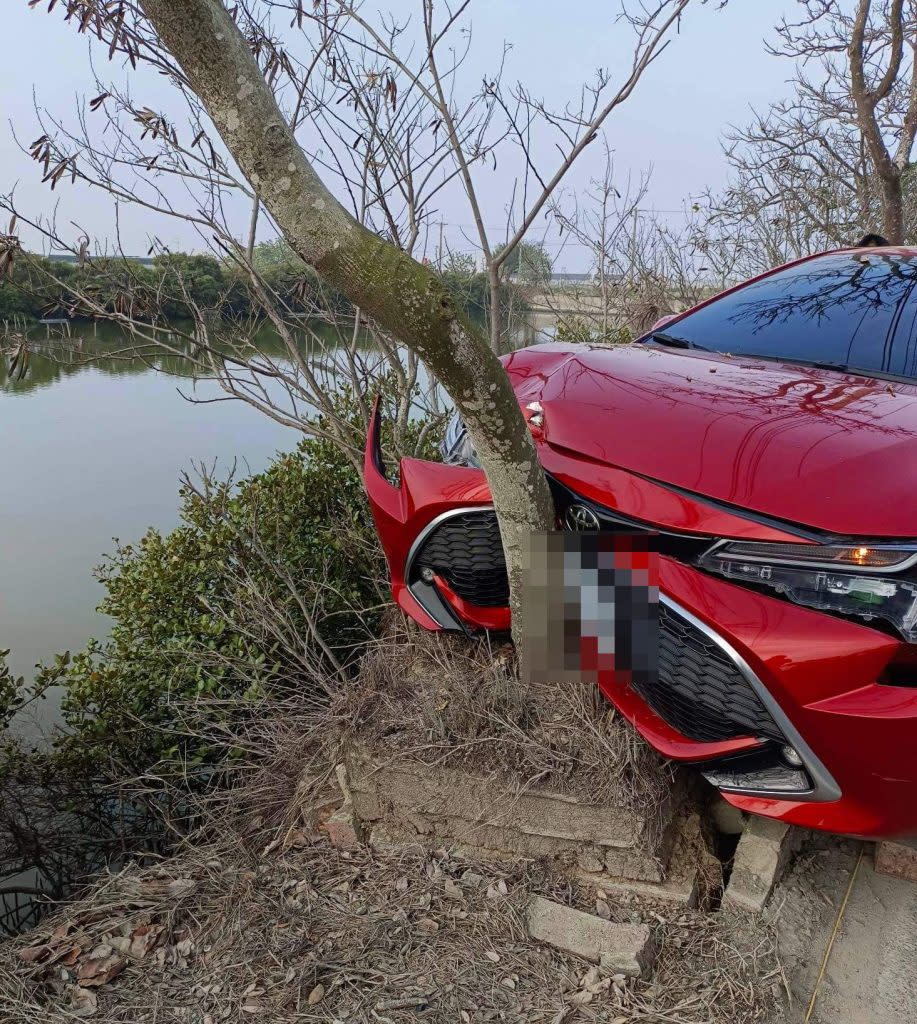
(837,927)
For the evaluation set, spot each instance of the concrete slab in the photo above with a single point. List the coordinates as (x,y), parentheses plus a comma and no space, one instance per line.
(619,948)
(871,974)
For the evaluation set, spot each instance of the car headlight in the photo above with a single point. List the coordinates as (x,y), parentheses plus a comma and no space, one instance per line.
(849,579)
(456,446)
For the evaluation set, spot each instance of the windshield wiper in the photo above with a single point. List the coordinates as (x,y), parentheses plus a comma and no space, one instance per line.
(672,341)
(816,364)
(820,364)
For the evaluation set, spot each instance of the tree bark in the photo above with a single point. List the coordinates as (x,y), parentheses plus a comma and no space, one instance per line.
(892,208)
(496,308)
(403,296)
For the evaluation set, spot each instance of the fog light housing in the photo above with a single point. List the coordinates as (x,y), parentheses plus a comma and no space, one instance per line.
(763,772)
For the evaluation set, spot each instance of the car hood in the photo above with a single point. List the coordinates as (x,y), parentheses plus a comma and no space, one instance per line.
(837,452)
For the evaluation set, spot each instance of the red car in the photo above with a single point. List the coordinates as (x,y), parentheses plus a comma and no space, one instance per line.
(768,438)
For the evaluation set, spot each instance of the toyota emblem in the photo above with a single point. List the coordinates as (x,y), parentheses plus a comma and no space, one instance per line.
(581,519)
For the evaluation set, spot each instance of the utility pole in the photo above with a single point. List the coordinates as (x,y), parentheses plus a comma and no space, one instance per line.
(439,261)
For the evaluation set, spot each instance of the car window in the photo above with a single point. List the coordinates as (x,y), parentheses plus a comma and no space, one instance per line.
(857,310)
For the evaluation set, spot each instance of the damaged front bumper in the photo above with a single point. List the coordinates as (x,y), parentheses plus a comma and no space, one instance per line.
(781,707)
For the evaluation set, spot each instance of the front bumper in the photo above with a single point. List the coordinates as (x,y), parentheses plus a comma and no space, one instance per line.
(815,677)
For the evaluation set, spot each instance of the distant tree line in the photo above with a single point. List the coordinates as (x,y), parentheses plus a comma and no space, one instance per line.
(178,285)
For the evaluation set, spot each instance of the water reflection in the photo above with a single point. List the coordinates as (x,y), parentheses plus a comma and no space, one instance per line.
(55,353)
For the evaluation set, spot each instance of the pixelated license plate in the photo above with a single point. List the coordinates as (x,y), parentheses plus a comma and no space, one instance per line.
(593,607)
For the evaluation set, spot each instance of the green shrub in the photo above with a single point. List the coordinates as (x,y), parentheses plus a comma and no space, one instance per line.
(217,609)
(267,587)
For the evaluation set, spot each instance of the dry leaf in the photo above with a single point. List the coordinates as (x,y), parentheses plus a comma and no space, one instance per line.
(452,890)
(428,926)
(60,932)
(145,938)
(590,977)
(101,970)
(68,957)
(83,1002)
(34,954)
(492,956)
(252,999)
(316,995)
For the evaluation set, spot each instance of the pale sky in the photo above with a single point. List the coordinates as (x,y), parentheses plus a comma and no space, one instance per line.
(710,76)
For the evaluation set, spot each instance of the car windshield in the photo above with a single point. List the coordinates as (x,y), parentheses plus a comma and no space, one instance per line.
(847,310)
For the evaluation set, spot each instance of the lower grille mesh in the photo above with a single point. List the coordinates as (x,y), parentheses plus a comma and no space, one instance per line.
(699,690)
(466,551)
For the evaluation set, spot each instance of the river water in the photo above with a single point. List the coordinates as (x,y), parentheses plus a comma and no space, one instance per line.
(90,451)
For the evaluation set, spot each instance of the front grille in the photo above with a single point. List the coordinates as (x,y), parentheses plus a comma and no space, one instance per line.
(467,552)
(699,690)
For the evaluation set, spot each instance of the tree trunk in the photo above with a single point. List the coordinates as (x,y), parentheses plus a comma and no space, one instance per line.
(403,296)
(496,309)
(892,208)
(866,99)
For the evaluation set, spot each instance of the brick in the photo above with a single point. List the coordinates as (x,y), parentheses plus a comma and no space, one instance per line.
(448,794)
(618,948)
(692,875)
(342,830)
(760,858)
(898,860)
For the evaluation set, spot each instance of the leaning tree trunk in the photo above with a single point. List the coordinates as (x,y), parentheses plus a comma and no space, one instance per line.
(406,298)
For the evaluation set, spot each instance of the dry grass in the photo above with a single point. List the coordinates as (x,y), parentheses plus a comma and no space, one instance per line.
(261,918)
(460,704)
(308,933)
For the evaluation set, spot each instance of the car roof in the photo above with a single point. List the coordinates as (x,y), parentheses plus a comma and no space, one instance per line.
(903,250)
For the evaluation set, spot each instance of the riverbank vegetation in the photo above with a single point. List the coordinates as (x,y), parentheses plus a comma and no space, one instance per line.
(179,286)
(259,915)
